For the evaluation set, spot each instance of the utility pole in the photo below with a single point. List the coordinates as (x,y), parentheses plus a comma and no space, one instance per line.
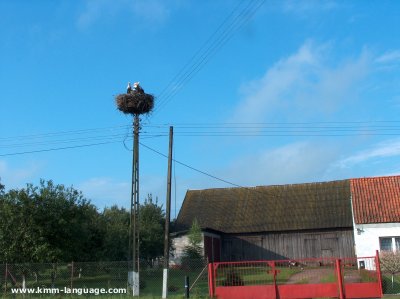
(135,206)
(135,102)
(167,216)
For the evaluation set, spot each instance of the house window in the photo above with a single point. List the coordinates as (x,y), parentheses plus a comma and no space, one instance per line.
(389,243)
(385,244)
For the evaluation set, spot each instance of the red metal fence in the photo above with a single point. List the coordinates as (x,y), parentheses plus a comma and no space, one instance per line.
(306,278)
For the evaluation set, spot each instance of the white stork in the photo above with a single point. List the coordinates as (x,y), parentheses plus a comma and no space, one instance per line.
(137,87)
(129,88)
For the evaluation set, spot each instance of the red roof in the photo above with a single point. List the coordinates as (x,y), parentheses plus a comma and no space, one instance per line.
(376,200)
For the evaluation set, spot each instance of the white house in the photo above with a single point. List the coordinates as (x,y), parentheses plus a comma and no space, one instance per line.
(376,214)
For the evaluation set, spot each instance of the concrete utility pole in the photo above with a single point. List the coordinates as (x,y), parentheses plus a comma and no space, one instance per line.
(135,206)
(167,216)
(135,102)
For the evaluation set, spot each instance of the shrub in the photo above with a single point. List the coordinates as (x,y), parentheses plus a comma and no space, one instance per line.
(233,279)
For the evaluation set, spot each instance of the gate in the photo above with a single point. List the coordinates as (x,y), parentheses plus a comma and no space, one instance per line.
(306,278)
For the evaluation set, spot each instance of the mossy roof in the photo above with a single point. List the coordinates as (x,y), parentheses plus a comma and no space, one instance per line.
(294,207)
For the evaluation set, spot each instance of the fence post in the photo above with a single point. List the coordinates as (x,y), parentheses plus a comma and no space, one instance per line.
(72,274)
(5,284)
(211,280)
(339,278)
(378,270)
(187,286)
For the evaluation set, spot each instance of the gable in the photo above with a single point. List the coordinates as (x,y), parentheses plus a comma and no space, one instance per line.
(269,208)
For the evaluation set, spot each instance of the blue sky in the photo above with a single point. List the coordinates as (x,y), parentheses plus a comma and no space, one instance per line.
(258,92)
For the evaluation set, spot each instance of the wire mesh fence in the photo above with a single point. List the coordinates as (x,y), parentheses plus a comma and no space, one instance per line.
(390,267)
(114,275)
(302,271)
(391,283)
(80,277)
(151,276)
(359,270)
(275,272)
(306,271)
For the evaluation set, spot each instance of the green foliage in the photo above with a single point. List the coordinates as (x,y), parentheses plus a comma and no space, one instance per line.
(233,279)
(116,238)
(152,220)
(50,222)
(1,188)
(47,223)
(192,253)
(195,236)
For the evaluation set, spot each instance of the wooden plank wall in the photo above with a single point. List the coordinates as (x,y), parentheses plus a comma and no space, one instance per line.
(339,243)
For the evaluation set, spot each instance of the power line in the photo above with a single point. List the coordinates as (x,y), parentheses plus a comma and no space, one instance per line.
(56,149)
(182,70)
(190,167)
(367,126)
(185,76)
(60,133)
(294,129)
(257,190)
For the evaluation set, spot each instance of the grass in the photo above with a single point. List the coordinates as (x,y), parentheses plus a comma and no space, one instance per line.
(152,281)
(259,275)
(388,286)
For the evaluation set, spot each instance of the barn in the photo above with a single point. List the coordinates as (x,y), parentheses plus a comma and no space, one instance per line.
(270,222)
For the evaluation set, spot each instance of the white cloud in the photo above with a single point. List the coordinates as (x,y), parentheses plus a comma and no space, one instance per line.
(291,163)
(302,84)
(17,177)
(104,191)
(389,148)
(389,57)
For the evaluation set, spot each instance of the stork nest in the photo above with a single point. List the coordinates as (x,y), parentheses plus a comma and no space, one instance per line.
(135,103)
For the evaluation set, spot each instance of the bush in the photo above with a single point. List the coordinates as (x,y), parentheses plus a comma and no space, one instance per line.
(172,288)
(233,279)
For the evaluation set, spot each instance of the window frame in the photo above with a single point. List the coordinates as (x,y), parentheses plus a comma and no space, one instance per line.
(394,243)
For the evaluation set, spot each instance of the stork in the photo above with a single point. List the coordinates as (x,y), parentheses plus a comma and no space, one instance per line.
(129,88)
(137,87)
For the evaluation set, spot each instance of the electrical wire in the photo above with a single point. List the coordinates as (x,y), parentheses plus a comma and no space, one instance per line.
(279,204)
(83,137)
(57,149)
(185,76)
(190,167)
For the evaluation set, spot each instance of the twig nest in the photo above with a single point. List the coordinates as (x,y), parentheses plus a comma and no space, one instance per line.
(135,103)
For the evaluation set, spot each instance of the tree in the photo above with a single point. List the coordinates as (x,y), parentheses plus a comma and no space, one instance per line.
(116,239)
(151,225)
(192,253)
(1,188)
(390,262)
(48,223)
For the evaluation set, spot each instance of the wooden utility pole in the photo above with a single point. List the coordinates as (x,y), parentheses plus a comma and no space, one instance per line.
(167,215)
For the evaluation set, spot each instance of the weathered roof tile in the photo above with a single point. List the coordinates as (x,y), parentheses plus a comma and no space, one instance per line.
(269,208)
(376,200)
